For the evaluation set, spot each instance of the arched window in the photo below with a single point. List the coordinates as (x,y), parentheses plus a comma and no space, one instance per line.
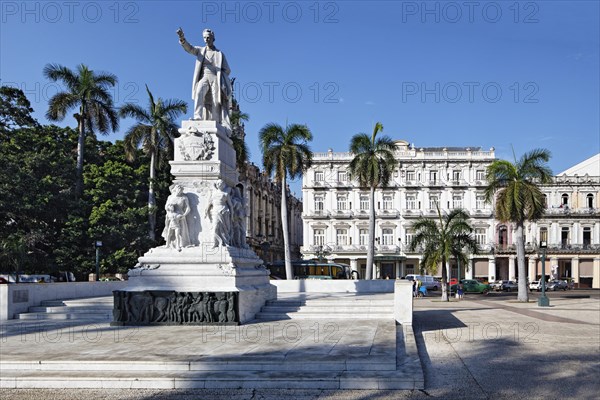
(590,200)
(565,200)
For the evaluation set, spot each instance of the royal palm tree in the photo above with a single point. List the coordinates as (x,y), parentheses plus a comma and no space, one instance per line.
(286,153)
(90,92)
(154,133)
(448,237)
(518,198)
(372,166)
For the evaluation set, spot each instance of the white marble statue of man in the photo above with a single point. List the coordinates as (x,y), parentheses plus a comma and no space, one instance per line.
(211,87)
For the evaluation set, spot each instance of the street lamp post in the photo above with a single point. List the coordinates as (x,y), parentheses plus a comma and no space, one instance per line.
(98,245)
(543,301)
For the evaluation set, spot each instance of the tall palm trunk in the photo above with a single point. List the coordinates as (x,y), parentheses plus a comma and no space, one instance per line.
(289,273)
(445,274)
(523,292)
(152,199)
(80,150)
(371,248)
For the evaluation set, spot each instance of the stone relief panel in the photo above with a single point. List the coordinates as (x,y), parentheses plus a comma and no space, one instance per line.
(171,307)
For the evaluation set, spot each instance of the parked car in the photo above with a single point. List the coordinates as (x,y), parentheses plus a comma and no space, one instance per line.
(426,280)
(509,286)
(504,286)
(471,286)
(536,285)
(558,285)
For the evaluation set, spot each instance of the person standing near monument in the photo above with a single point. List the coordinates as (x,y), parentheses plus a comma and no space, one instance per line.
(211,87)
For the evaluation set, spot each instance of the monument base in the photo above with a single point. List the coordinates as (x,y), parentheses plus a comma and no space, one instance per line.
(195,286)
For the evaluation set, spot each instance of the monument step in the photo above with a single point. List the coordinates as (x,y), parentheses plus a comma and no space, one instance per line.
(334,301)
(80,309)
(105,300)
(100,316)
(383,362)
(400,379)
(275,316)
(329,309)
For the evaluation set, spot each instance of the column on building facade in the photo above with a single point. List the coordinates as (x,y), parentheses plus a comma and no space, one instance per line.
(400,272)
(532,269)
(596,281)
(469,271)
(511,269)
(575,269)
(492,269)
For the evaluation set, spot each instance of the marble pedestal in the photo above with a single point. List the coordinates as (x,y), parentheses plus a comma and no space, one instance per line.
(213,278)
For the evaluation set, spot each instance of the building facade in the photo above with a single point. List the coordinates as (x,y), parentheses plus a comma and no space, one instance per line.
(336,216)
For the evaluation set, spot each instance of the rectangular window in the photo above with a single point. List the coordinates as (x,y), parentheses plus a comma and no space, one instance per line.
(363,237)
(434,201)
(480,236)
(319,203)
(587,237)
(456,175)
(342,202)
(342,176)
(411,202)
(319,176)
(387,237)
(480,202)
(364,202)
(457,201)
(564,237)
(341,237)
(410,176)
(480,175)
(319,237)
(433,176)
(387,201)
(408,237)
(544,235)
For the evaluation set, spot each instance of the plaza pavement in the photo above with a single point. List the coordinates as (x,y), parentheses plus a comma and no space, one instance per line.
(482,347)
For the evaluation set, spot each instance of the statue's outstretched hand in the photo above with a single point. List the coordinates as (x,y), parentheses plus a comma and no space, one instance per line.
(180,34)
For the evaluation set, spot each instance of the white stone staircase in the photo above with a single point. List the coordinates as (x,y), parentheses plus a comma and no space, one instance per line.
(317,341)
(329,307)
(93,308)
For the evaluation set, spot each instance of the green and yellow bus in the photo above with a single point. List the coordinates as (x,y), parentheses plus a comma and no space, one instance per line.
(308,269)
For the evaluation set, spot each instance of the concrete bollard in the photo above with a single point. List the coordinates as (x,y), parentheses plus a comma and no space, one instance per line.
(403,302)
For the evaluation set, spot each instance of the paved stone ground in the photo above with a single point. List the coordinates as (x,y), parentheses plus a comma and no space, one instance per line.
(479,348)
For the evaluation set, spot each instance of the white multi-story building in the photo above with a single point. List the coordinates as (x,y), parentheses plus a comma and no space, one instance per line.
(336,215)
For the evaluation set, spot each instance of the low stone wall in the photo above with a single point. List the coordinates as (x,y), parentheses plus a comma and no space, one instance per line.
(17,298)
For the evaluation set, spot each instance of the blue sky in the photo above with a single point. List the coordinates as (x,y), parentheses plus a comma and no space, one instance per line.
(436,73)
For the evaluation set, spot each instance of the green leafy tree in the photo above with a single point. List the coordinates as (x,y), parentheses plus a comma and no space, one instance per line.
(36,184)
(15,110)
(285,153)
(89,92)
(116,191)
(154,133)
(514,188)
(372,166)
(450,236)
